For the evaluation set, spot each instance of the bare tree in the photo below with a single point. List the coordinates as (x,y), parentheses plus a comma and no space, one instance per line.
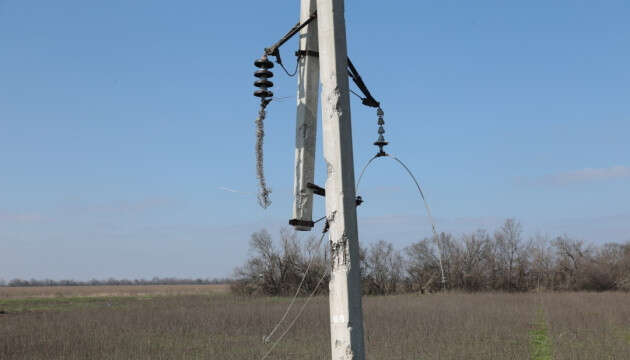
(475,261)
(422,269)
(384,266)
(542,263)
(279,271)
(572,258)
(474,256)
(623,279)
(508,244)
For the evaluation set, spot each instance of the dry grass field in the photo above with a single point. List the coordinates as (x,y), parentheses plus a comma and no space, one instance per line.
(106,290)
(205,323)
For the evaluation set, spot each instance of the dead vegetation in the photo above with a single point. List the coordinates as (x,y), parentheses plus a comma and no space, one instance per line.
(222,326)
(108,290)
(503,260)
(589,325)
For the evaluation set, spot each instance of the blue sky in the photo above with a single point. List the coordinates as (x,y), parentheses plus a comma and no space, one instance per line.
(126,127)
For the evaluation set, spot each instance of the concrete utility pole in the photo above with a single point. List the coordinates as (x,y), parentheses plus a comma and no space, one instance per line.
(346,317)
(306,122)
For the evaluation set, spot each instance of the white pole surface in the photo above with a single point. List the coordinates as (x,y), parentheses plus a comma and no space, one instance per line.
(306,122)
(346,317)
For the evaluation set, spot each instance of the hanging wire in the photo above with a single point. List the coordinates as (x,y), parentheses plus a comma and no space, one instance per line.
(267,338)
(363,172)
(426,205)
(297,64)
(264,190)
(308,299)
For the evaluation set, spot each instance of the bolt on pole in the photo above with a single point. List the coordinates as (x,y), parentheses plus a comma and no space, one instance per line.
(346,317)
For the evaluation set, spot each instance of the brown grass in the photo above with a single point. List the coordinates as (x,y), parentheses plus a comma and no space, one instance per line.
(107,290)
(221,326)
(589,325)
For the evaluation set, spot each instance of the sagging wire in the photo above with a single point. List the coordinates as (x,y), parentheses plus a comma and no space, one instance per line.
(263,189)
(380,142)
(297,65)
(263,198)
(363,171)
(266,96)
(263,75)
(267,339)
(426,205)
(308,299)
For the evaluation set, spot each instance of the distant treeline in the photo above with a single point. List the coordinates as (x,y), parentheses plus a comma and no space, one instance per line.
(95,282)
(480,261)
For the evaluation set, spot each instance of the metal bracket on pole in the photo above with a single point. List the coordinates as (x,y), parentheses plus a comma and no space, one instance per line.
(317,190)
(273,49)
(302,223)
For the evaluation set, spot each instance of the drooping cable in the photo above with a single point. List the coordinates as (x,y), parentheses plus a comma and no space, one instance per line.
(381,143)
(363,171)
(263,189)
(267,338)
(308,299)
(263,84)
(266,95)
(426,205)
(297,65)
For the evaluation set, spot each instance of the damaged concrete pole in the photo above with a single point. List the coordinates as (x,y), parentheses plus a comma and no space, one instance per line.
(306,121)
(346,317)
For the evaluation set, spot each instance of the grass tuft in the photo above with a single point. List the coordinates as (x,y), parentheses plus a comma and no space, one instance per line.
(539,339)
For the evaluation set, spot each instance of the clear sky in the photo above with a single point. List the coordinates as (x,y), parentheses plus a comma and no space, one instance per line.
(127,135)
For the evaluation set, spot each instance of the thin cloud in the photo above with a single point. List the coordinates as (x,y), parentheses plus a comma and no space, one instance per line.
(581,176)
(233,191)
(8,217)
(589,175)
(118,207)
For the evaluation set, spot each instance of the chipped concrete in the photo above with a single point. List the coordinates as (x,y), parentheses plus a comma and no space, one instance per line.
(306,119)
(347,341)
